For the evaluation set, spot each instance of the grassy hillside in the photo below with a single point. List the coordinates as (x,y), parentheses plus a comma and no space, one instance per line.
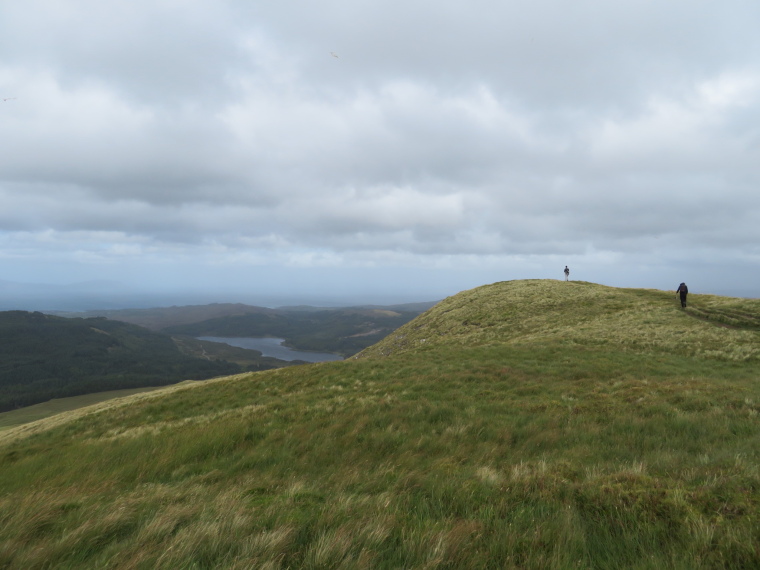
(526,424)
(59,405)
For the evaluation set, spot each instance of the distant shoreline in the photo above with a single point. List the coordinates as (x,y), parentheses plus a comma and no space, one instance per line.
(275,347)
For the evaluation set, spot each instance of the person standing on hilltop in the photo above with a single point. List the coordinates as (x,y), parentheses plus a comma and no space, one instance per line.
(567,273)
(682,291)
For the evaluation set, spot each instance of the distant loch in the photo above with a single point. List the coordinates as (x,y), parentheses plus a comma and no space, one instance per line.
(273,347)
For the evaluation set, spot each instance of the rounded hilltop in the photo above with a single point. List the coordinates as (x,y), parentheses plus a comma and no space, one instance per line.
(541,311)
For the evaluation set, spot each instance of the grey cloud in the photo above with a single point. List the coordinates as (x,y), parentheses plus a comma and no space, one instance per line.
(549,53)
(450,128)
(157,52)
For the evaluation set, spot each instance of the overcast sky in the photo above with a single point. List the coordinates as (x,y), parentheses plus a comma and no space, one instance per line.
(379,149)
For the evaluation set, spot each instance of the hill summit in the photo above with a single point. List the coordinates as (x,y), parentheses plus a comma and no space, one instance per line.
(578,313)
(531,424)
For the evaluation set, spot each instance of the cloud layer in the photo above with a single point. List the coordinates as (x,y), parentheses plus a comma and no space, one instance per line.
(489,139)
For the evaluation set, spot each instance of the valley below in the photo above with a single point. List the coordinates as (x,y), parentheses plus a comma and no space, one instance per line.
(67,355)
(273,347)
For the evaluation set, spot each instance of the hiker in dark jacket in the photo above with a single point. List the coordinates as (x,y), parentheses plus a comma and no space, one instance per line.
(682,291)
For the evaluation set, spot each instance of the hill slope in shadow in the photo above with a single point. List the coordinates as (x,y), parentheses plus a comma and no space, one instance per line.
(44,357)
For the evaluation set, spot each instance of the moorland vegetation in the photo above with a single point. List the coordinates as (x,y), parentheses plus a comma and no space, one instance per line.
(523,424)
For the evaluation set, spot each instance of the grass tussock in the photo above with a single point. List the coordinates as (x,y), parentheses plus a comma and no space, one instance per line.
(517,435)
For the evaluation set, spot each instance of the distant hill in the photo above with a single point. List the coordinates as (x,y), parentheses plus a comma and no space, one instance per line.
(400,308)
(44,356)
(522,424)
(159,318)
(69,354)
(344,331)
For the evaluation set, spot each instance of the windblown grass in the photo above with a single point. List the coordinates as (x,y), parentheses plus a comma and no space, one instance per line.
(517,435)
(59,405)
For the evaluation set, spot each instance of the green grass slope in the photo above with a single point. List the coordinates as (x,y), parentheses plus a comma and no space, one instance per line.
(58,405)
(525,424)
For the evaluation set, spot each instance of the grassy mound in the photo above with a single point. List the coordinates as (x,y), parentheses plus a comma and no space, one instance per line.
(527,424)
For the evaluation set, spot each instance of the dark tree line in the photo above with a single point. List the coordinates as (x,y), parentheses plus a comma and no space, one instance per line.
(44,357)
